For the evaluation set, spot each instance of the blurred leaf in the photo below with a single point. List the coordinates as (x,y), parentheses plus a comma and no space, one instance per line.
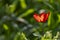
(51,20)
(12,7)
(5,26)
(47,36)
(29,11)
(58,17)
(56,37)
(23,37)
(20,36)
(2,37)
(51,1)
(49,5)
(23,4)
(0,4)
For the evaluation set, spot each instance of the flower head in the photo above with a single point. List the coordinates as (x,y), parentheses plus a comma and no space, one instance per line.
(41,17)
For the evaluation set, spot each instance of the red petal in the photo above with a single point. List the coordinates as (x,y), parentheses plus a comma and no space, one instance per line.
(36,17)
(42,17)
(46,16)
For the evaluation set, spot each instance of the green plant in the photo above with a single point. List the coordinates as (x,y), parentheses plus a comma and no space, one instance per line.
(17,22)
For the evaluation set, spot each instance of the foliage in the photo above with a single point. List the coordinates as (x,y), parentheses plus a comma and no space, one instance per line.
(17,22)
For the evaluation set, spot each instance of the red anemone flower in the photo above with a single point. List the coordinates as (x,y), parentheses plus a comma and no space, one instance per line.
(41,17)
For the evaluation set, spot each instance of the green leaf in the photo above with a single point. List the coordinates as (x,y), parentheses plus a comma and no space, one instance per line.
(29,11)
(20,36)
(51,21)
(5,26)
(51,1)
(58,18)
(12,7)
(23,4)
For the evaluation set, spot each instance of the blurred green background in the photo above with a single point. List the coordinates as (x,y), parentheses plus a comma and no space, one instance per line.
(17,22)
